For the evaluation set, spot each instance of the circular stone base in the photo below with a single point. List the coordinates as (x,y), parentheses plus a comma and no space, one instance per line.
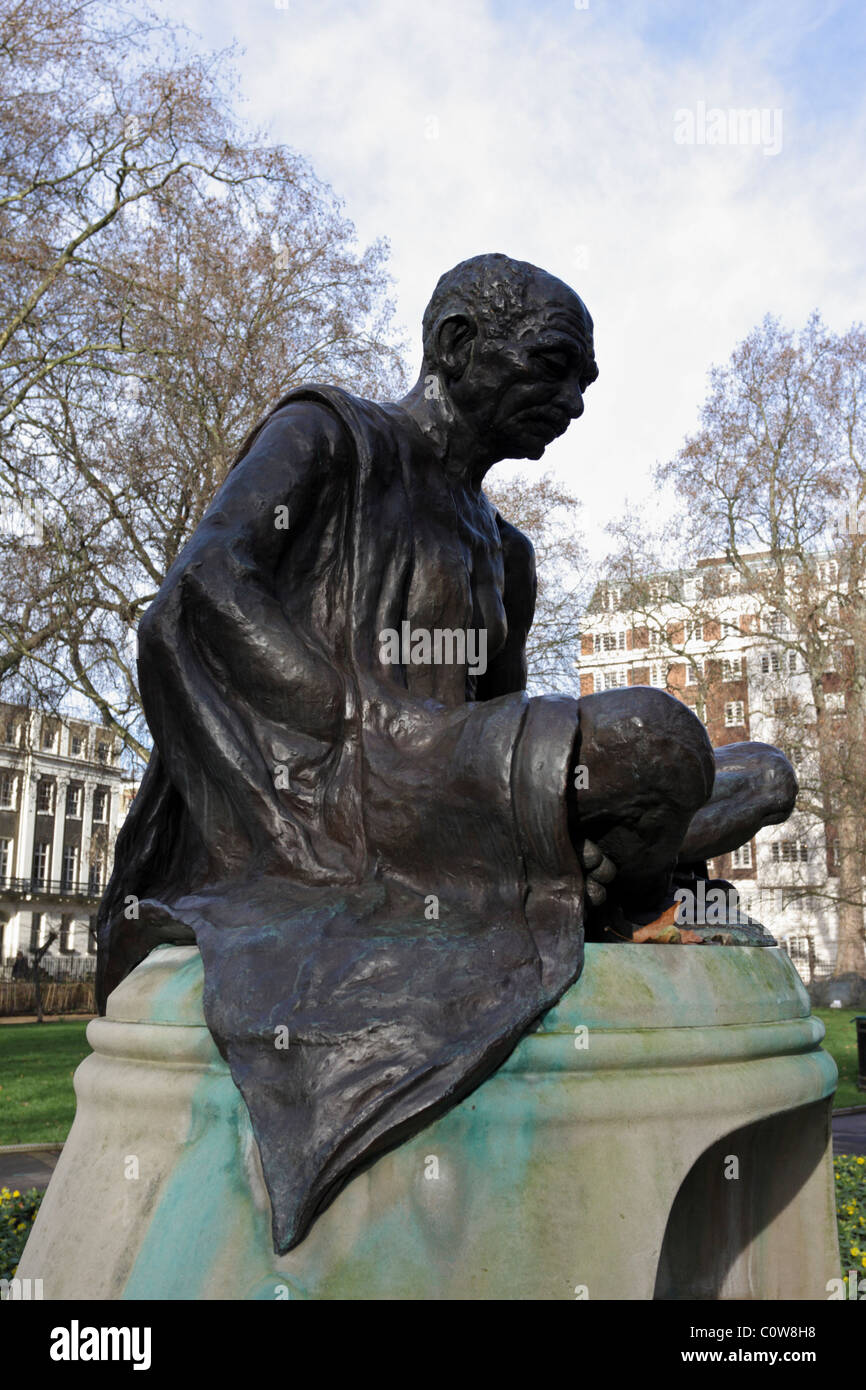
(665,1132)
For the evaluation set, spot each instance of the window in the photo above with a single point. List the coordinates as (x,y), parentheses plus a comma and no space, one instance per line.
(73,802)
(610,600)
(734,714)
(778,624)
(789,852)
(5,859)
(655,639)
(615,680)
(102,752)
(44,796)
(41,852)
(69,875)
(659,675)
(769,662)
(35,930)
(694,631)
(793,663)
(798,948)
(742,857)
(7,790)
(76,745)
(602,642)
(732,669)
(95,879)
(67,931)
(48,736)
(11,733)
(694,672)
(100,805)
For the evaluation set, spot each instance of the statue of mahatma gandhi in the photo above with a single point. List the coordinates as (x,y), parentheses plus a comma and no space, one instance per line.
(388,860)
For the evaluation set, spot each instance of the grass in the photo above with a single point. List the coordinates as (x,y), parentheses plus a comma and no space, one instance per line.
(37,1102)
(841,1043)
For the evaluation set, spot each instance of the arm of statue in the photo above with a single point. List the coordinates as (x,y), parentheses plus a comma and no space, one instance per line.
(508,670)
(220,589)
(754,786)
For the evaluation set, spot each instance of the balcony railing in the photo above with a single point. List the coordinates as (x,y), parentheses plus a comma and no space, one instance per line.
(41,887)
(59,968)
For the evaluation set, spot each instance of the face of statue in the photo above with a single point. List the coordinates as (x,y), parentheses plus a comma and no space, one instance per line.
(520,393)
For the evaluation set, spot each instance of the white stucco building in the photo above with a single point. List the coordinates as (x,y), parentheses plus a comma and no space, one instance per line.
(63,796)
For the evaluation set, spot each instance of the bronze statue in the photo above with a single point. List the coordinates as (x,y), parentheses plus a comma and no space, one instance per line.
(379,842)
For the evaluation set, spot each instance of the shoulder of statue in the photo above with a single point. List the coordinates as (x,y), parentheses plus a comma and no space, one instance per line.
(336,415)
(518,550)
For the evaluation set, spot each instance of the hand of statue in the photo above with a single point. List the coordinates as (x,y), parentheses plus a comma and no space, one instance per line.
(599,871)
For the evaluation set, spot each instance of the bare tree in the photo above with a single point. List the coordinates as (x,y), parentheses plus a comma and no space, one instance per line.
(773,484)
(100,109)
(145,346)
(550,515)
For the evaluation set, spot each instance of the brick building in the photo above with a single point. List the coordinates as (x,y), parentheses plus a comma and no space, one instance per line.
(696,637)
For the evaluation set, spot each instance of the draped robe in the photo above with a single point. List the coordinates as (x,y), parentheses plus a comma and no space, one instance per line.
(373,858)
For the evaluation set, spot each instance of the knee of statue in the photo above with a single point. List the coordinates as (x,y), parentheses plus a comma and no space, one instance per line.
(776,782)
(644,750)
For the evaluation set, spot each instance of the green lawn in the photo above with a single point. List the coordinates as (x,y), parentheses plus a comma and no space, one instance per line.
(841,1042)
(37,1060)
(37,1101)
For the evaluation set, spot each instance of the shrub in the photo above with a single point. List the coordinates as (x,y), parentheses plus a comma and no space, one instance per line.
(17,1214)
(851,1210)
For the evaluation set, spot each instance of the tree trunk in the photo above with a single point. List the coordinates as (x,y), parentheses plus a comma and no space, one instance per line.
(850,945)
(37,960)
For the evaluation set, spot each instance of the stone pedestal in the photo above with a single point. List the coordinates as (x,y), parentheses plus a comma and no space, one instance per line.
(664,1133)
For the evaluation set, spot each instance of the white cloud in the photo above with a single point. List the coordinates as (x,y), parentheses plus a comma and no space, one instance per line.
(556,144)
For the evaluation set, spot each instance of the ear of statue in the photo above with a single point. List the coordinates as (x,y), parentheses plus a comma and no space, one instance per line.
(454,337)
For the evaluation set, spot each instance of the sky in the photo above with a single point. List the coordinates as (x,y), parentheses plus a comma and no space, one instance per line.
(592,138)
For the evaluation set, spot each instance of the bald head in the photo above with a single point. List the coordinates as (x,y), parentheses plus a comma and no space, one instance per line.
(505,298)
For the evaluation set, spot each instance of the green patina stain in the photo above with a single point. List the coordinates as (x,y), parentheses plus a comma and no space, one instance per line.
(177,998)
(206,1199)
(186,1236)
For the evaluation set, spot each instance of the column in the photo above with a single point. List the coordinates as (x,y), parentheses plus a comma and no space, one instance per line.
(86,830)
(26,820)
(61,784)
